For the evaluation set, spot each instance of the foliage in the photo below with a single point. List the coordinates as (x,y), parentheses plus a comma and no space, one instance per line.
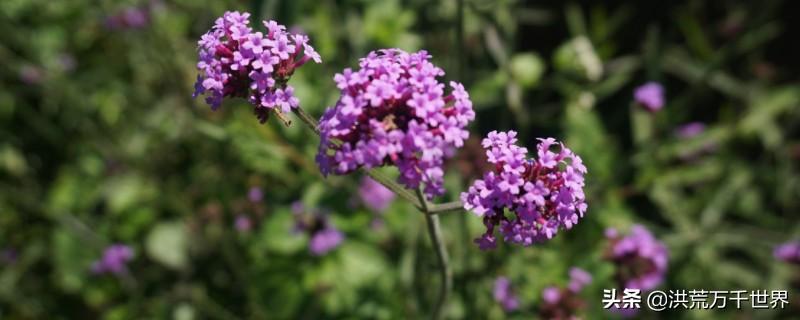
(102,143)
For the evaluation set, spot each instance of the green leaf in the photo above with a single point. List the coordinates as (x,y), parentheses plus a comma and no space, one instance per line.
(168,244)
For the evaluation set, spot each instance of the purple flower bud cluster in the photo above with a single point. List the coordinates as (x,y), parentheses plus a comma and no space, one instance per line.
(788,252)
(393,111)
(374,195)
(544,194)
(640,258)
(650,95)
(235,61)
(565,303)
(504,295)
(324,236)
(114,260)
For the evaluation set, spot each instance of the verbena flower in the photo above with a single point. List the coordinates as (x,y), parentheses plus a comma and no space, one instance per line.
(323,235)
(393,111)
(114,260)
(236,61)
(640,259)
(650,95)
(129,18)
(374,195)
(565,303)
(504,295)
(690,130)
(542,195)
(8,256)
(243,223)
(788,252)
(255,194)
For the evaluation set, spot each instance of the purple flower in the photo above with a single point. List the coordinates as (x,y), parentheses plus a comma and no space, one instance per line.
(689,130)
(323,235)
(243,223)
(565,303)
(374,195)
(640,259)
(393,111)
(545,195)
(788,252)
(8,256)
(129,18)
(255,194)
(504,295)
(114,260)
(578,278)
(234,61)
(650,95)
(30,74)
(325,240)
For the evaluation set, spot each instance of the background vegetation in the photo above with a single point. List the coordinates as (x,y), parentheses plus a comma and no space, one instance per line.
(102,143)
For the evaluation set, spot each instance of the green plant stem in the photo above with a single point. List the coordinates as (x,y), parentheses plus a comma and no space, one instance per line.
(435,233)
(454,206)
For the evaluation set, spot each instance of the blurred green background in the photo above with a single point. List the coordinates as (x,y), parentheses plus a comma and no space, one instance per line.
(102,143)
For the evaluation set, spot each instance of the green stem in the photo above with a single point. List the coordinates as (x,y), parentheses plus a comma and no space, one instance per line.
(454,206)
(307,119)
(435,233)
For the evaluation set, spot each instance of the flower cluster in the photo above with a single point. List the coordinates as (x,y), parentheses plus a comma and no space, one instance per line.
(393,111)
(374,195)
(565,303)
(690,130)
(544,195)
(788,252)
(129,18)
(324,236)
(640,259)
(114,260)
(504,295)
(650,95)
(237,62)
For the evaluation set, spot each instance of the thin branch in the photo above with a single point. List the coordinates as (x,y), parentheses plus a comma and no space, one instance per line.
(454,206)
(307,119)
(435,233)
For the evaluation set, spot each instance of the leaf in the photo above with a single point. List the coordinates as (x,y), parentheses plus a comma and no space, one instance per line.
(168,244)
(527,69)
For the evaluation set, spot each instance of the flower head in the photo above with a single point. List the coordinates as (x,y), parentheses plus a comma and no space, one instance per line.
(374,195)
(544,195)
(650,95)
(243,223)
(114,260)
(640,259)
(393,111)
(565,303)
(504,295)
(255,194)
(323,235)
(788,252)
(129,18)
(8,256)
(690,129)
(234,61)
